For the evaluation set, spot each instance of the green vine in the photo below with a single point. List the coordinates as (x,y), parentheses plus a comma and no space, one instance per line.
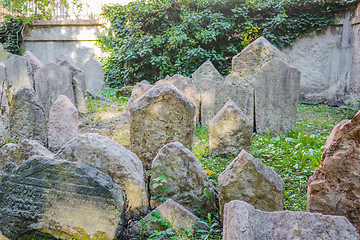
(149,39)
(11,34)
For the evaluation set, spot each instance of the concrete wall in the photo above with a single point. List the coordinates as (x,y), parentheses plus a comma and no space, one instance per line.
(329,61)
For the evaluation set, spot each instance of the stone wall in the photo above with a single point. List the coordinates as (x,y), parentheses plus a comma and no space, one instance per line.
(329,61)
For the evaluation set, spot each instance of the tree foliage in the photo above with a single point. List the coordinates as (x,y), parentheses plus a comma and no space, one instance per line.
(149,39)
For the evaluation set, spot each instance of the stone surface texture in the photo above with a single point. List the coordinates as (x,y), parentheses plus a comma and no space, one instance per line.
(61,198)
(172,211)
(230,131)
(63,123)
(248,179)
(53,80)
(243,221)
(18,74)
(78,82)
(185,179)
(9,154)
(276,97)
(214,96)
(3,54)
(160,116)
(334,188)
(122,165)
(27,116)
(94,76)
(34,62)
(206,71)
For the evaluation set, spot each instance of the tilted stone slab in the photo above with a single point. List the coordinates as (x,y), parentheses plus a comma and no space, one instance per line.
(122,165)
(2,75)
(53,80)
(243,221)
(78,82)
(334,188)
(64,199)
(94,77)
(185,179)
(230,131)
(27,116)
(18,74)
(214,96)
(246,64)
(160,116)
(248,179)
(63,123)
(34,62)
(276,97)
(206,71)
(171,211)
(3,54)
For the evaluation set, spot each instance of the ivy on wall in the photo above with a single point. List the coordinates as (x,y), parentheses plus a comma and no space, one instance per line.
(149,39)
(11,34)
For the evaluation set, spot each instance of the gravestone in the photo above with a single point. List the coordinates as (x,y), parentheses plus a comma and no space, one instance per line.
(34,62)
(94,77)
(2,75)
(160,116)
(334,187)
(276,97)
(243,221)
(63,123)
(27,117)
(59,198)
(185,179)
(53,80)
(78,82)
(248,179)
(206,71)
(230,131)
(18,74)
(3,54)
(122,165)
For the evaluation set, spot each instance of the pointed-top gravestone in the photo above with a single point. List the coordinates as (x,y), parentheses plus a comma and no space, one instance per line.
(185,179)
(160,116)
(94,77)
(230,131)
(246,65)
(34,61)
(248,179)
(78,82)
(63,123)
(27,116)
(206,71)
(51,81)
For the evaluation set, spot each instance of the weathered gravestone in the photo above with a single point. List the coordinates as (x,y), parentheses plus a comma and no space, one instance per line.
(78,82)
(94,77)
(214,96)
(53,80)
(18,74)
(3,54)
(3,84)
(160,116)
(34,62)
(122,165)
(185,179)
(59,198)
(171,211)
(230,131)
(276,97)
(206,71)
(248,179)
(243,221)
(4,116)
(335,186)
(27,116)
(63,123)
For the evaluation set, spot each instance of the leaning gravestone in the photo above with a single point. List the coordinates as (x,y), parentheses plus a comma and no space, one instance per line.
(18,74)
(248,179)
(94,77)
(4,117)
(59,198)
(276,96)
(2,75)
(160,116)
(206,71)
(185,179)
(63,123)
(243,221)
(3,54)
(27,116)
(335,186)
(230,131)
(122,165)
(53,80)
(34,62)
(78,81)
